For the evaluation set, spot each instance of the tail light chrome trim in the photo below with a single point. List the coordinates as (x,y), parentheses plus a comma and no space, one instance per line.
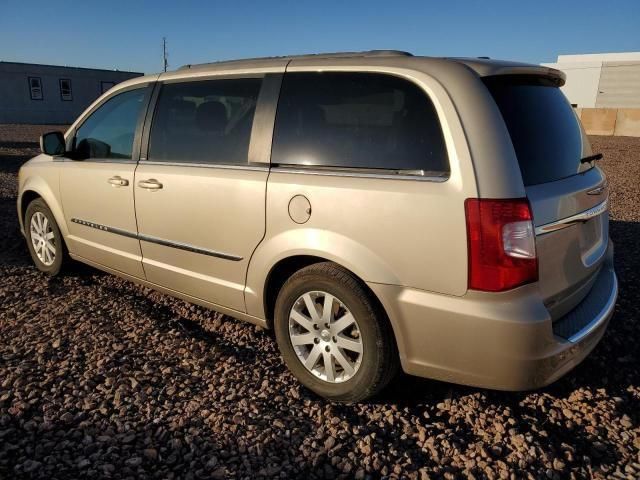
(577,218)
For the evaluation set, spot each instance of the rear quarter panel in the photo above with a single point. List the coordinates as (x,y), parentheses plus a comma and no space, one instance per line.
(388,231)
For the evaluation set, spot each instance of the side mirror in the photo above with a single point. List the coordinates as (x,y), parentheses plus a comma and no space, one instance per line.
(52,143)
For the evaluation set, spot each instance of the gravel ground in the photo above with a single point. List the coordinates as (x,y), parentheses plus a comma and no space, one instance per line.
(101,378)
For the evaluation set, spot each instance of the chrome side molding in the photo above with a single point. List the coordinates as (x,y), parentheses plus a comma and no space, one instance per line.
(577,218)
(159,241)
(189,248)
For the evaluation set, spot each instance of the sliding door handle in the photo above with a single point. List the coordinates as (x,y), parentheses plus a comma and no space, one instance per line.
(150,184)
(118,181)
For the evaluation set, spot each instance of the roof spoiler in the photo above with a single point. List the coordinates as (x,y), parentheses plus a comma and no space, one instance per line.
(489,68)
(558,77)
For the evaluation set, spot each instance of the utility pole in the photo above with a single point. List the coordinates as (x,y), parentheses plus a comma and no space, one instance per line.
(164,53)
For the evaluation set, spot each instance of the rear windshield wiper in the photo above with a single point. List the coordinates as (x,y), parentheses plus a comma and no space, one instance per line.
(591,158)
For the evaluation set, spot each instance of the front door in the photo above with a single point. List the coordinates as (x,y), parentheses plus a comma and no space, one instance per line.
(200,204)
(97,185)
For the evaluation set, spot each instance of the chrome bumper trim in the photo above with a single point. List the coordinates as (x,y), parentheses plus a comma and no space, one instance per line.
(604,314)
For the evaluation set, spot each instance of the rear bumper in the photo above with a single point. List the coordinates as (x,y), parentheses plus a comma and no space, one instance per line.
(504,341)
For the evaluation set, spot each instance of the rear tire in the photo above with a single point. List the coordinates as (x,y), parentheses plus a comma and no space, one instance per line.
(45,242)
(347,361)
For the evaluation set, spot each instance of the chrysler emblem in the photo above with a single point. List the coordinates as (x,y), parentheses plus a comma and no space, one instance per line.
(598,190)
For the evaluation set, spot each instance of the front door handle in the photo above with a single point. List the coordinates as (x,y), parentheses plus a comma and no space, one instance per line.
(150,184)
(118,181)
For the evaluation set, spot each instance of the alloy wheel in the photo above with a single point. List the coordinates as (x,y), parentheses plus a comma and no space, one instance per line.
(43,238)
(325,336)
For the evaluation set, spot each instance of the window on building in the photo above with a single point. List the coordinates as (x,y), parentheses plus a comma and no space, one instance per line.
(104,86)
(204,121)
(109,131)
(65,90)
(35,87)
(358,120)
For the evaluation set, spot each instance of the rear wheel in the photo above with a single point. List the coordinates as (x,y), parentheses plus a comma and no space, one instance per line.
(44,240)
(333,336)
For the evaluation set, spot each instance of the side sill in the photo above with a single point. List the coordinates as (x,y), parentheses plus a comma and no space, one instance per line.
(182,296)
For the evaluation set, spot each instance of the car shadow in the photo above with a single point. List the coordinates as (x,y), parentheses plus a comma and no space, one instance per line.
(612,366)
(618,346)
(19,144)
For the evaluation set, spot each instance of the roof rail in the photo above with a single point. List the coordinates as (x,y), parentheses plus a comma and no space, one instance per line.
(367,53)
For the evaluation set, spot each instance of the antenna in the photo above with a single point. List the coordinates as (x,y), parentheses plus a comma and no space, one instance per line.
(165,55)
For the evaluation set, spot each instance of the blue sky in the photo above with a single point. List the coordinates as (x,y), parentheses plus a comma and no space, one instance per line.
(127,35)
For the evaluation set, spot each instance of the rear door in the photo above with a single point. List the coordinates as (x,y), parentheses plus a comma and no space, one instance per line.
(568,197)
(200,190)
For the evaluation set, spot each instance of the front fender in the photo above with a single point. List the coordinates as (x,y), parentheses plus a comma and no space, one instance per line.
(332,246)
(48,189)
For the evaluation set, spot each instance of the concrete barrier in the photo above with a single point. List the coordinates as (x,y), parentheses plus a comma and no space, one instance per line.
(628,122)
(610,121)
(598,121)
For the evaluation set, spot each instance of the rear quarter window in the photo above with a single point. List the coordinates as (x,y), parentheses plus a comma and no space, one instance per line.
(358,121)
(546,134)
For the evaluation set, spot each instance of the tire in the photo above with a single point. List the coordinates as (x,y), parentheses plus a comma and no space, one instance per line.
(53,262)
(368,372)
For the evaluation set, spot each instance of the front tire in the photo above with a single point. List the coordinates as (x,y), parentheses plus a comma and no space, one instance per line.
(44,239)
(333,335)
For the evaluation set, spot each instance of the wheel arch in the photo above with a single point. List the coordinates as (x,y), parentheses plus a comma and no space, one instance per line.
(277,258)
(27,197)
(279,274)
(307,244)
(284,268)
(37,188)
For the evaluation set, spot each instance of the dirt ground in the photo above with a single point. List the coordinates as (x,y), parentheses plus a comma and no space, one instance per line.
(100,378)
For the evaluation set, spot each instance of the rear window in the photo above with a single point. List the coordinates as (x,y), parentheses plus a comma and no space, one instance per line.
(545,132)
(358,121)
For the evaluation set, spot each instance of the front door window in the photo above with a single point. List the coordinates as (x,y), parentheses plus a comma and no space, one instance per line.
(110,130)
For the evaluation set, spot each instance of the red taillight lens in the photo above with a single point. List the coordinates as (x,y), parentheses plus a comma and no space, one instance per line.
(501,240)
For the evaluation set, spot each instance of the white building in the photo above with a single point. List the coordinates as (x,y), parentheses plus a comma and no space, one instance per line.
(34,93)
(601,80)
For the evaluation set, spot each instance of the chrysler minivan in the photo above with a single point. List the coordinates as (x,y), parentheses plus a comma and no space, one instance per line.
(377,210)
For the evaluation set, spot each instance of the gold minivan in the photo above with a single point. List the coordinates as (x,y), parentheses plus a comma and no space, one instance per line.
(378,210)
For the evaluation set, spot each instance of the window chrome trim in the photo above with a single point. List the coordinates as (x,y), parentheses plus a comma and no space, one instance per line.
(223,166)
(572,220)
(205,76)
(157,240)
(365,174)
(96,160)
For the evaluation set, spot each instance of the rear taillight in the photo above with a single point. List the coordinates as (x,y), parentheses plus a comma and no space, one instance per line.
(502,247)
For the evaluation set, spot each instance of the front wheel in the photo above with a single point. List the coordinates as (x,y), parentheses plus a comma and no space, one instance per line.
(44,240)
(332,335)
